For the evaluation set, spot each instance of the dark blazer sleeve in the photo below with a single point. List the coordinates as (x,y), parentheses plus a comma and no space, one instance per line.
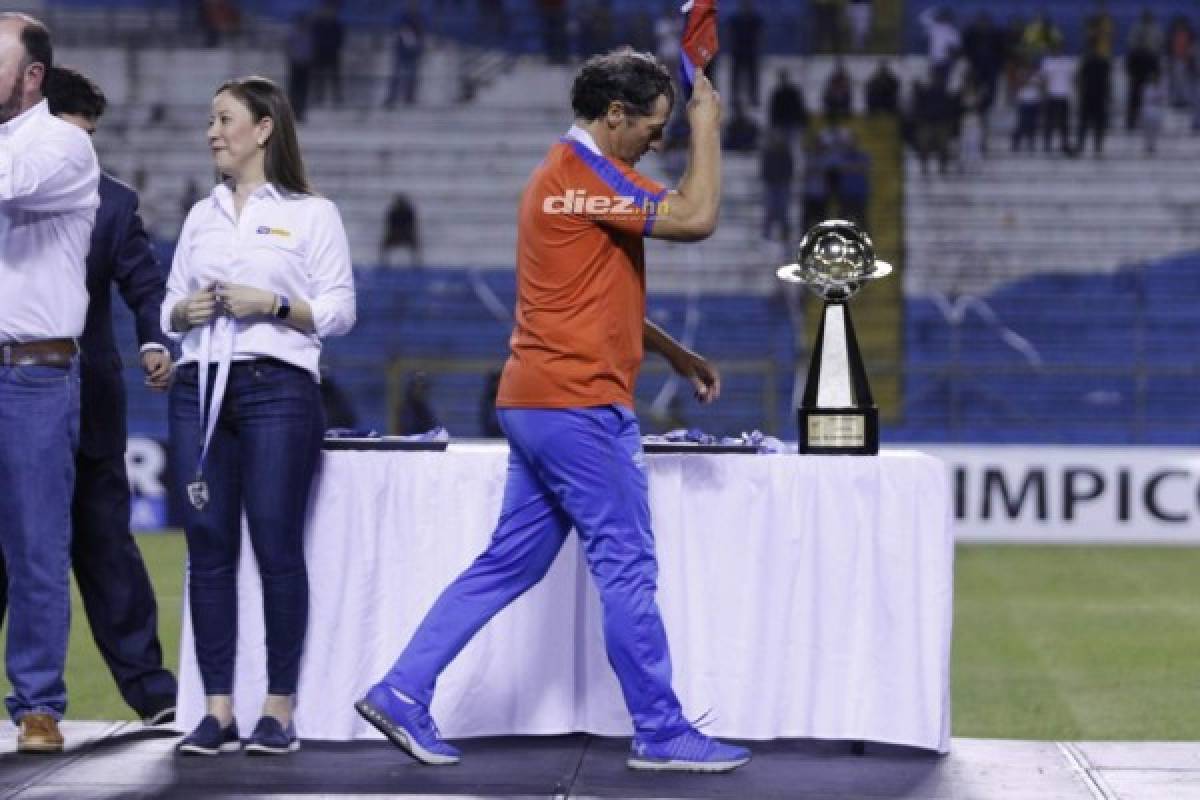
(137,272)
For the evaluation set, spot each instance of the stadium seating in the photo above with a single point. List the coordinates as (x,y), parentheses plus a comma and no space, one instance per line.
(1045,298)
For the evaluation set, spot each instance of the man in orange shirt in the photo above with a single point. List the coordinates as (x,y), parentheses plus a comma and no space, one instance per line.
(566,404)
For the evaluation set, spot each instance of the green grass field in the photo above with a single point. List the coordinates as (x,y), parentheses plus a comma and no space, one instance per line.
(1049,642)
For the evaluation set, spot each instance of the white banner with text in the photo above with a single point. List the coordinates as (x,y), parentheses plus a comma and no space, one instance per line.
(1073,494)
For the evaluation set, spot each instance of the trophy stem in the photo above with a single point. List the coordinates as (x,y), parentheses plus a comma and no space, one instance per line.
(837,414)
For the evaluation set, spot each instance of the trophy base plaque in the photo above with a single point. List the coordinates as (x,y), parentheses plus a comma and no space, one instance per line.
(838,431)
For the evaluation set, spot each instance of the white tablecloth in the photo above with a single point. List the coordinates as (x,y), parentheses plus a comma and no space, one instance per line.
(803,596)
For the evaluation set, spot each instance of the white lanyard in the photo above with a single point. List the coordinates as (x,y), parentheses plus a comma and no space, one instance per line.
(222,331)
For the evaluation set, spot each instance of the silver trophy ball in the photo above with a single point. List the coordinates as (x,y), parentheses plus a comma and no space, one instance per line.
(835,259)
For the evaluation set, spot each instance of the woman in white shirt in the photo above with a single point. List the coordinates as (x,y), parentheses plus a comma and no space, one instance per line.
(261,274)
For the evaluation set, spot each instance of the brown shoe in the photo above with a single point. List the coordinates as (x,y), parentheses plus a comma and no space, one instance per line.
(39,734)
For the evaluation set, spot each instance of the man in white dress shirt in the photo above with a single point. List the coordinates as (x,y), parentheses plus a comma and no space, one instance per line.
(48,199)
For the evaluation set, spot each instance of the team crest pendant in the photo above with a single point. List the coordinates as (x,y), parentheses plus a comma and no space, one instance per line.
(197,492)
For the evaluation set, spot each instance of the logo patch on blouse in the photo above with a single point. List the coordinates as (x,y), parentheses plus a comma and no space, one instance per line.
(266,231)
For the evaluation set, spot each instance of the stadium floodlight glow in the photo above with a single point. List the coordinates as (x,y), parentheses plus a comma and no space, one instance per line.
(837,415)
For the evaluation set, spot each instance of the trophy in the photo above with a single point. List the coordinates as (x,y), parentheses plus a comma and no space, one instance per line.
(837,414)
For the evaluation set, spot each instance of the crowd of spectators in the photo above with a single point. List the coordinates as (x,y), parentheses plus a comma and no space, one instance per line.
(1062,101)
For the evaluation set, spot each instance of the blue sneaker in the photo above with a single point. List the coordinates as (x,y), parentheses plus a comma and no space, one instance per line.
(407,723)
(272,739)
(690,751)
(210,738)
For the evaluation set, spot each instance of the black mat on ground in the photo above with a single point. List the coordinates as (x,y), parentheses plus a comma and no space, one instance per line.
(142,764)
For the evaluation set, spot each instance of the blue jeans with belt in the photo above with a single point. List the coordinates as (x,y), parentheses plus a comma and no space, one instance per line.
(580,467)
(262,459)
(39,432)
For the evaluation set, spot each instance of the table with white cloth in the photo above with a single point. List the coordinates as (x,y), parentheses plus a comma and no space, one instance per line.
(803,596)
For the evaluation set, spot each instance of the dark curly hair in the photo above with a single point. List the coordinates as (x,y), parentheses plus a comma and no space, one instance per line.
(633,79)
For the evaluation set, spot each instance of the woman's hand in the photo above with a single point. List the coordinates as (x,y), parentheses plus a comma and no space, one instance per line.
(240,301)
(198,308)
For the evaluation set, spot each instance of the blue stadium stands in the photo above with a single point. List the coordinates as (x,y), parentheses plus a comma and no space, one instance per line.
(1110,358)
(1127,377)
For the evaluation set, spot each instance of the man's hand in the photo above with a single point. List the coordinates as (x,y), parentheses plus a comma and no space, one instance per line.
(704,109)
(240,301)
(157,366)
(706,380)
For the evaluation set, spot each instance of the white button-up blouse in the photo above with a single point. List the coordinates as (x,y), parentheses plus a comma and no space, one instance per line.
(285,243)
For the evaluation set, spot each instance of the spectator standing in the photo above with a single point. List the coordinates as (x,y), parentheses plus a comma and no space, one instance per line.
(668,31)
(553,15)
(1041,37)
(1153,113)
(985,53)
(854,180)
(493,23)
(776,169)
(741,132)
(339,410)
(1181,55)
(489,420)
(883,90)
(827,26)
(837,100)
(416,414)
(1029,107)
(1057,76)
(1098,31)
(641,32)
(786,110)
(1143,60)
(1095,98)
(597,28)
(328,37)
(945,42)
(972,139)
(815,191)
(858,14)
(300,60)
(1194,74)
(745,45)
(935,118)
(408,48)
(400,232)
(219,19)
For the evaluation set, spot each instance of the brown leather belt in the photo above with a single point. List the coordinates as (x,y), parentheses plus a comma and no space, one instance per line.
(41,353)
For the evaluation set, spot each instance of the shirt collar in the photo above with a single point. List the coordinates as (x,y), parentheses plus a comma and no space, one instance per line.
(584,138)
(222,195)
(39,111)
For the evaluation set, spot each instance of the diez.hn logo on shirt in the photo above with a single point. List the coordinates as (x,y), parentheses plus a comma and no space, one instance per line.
(577,201)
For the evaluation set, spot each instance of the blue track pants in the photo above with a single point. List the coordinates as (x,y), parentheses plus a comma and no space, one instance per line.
(578,467)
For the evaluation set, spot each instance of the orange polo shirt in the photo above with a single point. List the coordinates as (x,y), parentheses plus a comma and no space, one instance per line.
(581,281)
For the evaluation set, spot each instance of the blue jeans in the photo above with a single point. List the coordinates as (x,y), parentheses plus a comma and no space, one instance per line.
(262,459)
(39,431)
(578,467)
